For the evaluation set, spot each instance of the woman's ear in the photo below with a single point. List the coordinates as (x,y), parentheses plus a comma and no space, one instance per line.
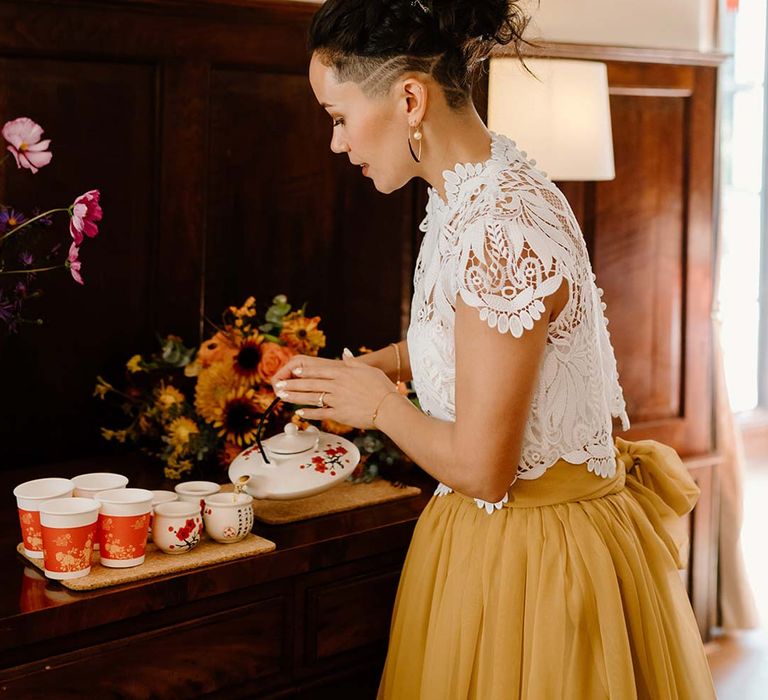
(415,97)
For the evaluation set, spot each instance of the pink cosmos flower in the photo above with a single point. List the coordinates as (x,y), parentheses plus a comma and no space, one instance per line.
(85,213)
(30,152)
(74,264)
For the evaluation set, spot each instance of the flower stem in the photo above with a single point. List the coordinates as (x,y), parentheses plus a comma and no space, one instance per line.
(30,270)
(29,221)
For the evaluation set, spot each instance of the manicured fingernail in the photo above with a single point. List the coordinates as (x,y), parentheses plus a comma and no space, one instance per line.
(347,353)
(300,413)
(282,394)
(280,384)
(298,371)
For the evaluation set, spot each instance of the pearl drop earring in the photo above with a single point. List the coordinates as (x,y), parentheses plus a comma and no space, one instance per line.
(417,136)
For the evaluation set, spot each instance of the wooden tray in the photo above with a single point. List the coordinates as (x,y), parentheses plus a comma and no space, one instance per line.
(157,563)
(345,496)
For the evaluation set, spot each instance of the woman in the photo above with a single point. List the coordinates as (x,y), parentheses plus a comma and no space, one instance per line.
(545,566)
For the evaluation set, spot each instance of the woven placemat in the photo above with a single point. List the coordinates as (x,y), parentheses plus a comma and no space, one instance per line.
(345,496)
(157,563)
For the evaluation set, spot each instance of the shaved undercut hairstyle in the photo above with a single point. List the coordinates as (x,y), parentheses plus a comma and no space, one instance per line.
(374,42)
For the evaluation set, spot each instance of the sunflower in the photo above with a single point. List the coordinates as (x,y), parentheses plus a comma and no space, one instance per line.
(302,334)
(180,431)
(213,386)
(247,358)
(240,415)
(167,397)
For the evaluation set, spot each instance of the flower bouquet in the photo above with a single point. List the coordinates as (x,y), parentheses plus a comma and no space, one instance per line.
(20,262)
(198,409)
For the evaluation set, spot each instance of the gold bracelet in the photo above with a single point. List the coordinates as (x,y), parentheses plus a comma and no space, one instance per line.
(376,412)
(397,354)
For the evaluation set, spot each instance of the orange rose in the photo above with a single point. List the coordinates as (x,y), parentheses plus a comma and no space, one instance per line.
(273,357)
(216,349)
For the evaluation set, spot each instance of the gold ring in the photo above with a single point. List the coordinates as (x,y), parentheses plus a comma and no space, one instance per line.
(321,400)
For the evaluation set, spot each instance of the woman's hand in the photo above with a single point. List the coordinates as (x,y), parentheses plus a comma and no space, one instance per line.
(350,389)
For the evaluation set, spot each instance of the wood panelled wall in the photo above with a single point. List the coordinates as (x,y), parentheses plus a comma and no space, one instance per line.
(197,122)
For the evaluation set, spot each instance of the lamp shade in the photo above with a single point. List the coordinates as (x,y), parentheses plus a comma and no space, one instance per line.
(562,120)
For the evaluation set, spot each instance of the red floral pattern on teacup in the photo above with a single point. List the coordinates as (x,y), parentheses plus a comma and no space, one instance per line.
(68,549)
(31,532)
(123,536)
(188,535)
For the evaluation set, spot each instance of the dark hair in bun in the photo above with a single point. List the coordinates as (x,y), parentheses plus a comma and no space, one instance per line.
(373,42)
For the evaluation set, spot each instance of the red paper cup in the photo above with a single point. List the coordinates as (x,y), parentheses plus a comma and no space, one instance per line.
(88,485)
(159,496)
(29,496)
(124,522)
(69,527)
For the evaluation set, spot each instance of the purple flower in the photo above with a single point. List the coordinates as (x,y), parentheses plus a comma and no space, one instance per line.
(7,310)
(53,252)
(26,258)
(10,218)
(46,220)
(21,290)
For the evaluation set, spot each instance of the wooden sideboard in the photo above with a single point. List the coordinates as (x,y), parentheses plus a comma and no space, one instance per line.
(309,620)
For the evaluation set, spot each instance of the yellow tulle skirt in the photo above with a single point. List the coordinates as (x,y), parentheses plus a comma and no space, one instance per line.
(570,591)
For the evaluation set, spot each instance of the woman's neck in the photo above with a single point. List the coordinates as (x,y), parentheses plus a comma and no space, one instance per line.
(457,138)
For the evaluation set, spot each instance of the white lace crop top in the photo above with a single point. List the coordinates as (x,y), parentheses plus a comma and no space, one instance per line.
(504,239)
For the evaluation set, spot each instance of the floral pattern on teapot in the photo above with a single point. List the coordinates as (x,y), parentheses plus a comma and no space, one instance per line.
(327,463)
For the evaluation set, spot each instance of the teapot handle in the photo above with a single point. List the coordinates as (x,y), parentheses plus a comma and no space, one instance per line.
(259,428)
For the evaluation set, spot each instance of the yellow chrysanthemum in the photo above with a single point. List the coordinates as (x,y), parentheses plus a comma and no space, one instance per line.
(134,364)
(180,431)
(168,396)
(302,334)
(214,384)
(175,468)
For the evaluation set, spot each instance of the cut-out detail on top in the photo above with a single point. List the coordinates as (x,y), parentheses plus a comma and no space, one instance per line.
(504,239)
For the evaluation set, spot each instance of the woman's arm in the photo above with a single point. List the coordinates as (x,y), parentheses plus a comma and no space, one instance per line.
(496,375)
(386,360)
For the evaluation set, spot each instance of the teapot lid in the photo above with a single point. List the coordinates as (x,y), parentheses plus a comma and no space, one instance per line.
(292,440)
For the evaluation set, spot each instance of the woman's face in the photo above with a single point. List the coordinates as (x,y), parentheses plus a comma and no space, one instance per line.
(372,131)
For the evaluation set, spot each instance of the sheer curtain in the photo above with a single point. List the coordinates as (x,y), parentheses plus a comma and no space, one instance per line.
(741,33)
(737,604)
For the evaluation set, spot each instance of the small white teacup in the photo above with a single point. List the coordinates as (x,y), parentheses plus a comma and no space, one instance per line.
(228,516)
(177,526)
(159,496)
(196,491)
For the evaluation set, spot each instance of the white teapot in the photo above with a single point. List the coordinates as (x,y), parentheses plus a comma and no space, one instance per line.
(294,464)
